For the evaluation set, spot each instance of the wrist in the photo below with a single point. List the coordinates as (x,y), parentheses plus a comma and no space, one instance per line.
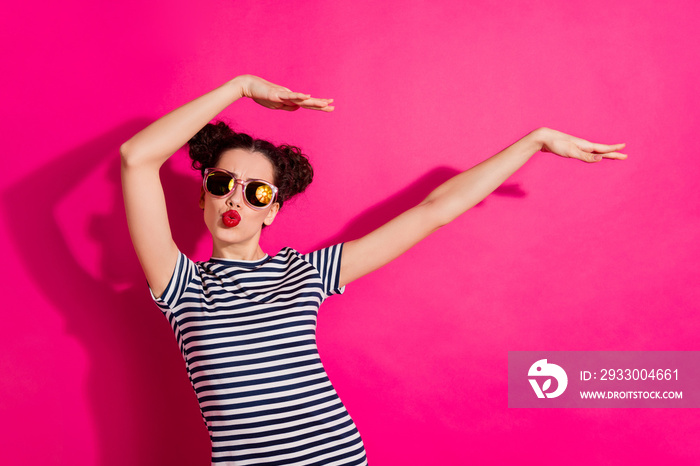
(238,86)
(539,138)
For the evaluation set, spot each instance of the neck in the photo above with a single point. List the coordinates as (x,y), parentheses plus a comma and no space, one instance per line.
(238,251)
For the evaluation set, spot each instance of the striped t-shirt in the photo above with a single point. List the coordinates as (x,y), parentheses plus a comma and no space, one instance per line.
(247,332)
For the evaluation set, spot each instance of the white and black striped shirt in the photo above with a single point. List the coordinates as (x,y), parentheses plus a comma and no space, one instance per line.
(247,332)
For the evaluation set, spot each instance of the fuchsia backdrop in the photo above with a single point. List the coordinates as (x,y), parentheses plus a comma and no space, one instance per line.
(564,256)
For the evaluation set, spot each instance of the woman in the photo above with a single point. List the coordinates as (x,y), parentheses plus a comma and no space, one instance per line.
(245,321)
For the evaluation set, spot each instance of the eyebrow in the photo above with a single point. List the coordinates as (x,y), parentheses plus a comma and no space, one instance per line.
(239,177)
(235,174)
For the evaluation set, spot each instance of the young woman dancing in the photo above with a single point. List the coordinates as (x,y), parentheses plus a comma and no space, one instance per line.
(245,321)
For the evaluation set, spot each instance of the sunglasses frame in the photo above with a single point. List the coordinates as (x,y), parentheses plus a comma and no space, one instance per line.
(236,182)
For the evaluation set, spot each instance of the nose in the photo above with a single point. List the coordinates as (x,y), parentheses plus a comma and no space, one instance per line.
(236,197)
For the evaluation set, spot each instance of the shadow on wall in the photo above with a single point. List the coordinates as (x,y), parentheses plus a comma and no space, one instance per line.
(408,197)
(143,408)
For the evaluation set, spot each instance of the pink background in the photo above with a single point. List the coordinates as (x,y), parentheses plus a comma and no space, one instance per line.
(564,256)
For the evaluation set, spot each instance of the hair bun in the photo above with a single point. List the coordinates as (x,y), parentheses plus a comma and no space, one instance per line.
(295,171)
(205,146)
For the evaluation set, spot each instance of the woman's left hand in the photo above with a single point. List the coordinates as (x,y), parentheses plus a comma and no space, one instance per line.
(566,145)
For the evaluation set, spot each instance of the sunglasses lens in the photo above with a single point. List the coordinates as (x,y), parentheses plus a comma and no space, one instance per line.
(219,183)
(258,194)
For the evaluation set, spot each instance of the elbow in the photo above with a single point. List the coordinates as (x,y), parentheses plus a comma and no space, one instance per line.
(126,154)
(439,211)
(130,157)
(435,214)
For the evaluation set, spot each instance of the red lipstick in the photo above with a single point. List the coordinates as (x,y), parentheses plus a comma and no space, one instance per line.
(231,218)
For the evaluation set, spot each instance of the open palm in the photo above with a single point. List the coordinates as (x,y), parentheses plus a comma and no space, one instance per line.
(278,97)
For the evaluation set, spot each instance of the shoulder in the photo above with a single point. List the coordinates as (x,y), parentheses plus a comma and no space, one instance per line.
(327,255)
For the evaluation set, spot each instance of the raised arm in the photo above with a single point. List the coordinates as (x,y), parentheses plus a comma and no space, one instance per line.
(144,154)
(459,194)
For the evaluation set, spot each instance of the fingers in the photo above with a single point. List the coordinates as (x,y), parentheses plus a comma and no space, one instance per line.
(327,108)
(614,155)
(604,151)
(592,152)
(604,148)
(318,104)
(311,104)
(286,94)
(587,156)
(595,147)
(595,157)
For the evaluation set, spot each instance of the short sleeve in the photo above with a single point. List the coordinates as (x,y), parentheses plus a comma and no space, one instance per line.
(327,262)
(183,274)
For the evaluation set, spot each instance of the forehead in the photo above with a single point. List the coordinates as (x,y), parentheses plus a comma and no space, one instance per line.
(246,164)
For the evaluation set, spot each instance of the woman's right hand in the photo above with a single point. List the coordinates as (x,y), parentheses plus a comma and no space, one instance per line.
(277,97)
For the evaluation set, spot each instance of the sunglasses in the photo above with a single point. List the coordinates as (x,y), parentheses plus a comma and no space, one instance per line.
(257,194)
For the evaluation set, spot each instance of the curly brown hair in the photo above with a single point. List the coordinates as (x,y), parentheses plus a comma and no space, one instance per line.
(292,170)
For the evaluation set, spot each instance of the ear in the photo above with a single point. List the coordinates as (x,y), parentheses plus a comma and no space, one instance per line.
(272,214)
(201,198)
